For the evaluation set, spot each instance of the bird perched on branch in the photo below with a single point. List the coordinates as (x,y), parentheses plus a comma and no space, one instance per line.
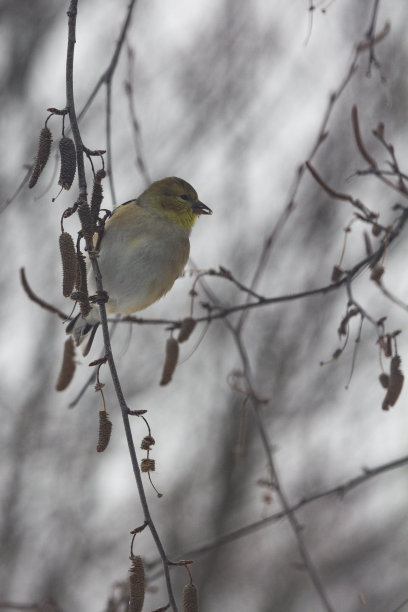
(144,249)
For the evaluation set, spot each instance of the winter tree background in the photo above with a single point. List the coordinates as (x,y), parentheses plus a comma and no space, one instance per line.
(234,97)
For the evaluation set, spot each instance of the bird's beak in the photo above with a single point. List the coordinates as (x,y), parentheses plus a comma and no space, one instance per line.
(201,209)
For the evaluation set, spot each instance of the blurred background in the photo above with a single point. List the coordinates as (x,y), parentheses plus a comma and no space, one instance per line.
(229,95)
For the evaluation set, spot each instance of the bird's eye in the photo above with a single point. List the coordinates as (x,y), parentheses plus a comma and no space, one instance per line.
(184,197)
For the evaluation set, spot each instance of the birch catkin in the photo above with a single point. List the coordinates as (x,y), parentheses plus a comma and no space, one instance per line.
(172,351)
(68,162)
(105,430)
(69,263)
(97,195)
(43,153)
(68,366)
(190,598)
(81,285)
(137,583)
(88,226)
(395,383)
(186,329)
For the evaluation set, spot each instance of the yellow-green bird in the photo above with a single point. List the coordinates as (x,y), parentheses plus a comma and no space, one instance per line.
(144,249)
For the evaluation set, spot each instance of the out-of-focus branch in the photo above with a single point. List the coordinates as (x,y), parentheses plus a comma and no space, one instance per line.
(276,480)
(321,136)
(108,129)
(18,189)
(341,490)
(137,137)
(401,606)
(371,36)
(106,78)
(247,375)
(42,606)
(108,73)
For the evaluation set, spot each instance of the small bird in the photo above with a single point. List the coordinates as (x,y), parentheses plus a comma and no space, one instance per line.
(144,249)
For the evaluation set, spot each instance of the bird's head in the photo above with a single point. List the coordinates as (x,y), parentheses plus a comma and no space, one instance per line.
(176,200)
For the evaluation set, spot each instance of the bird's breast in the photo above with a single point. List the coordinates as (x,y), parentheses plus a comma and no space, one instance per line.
(139,268)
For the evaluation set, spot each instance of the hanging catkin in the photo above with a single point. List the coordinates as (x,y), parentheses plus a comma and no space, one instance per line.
(68,162)
(43,153)
(69,263)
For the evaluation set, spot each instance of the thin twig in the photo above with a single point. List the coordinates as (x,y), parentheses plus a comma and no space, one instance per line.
(91,379)
(17,191)
(217,311)
(393,298)
(256,404)
(352,302)
(357,134)
(291,204)
(321,136)
(289,513)
(370,37)
(380,172)
(137,136)
(401,606)
(107,74)
(108,128)
(373,168)
(340,490)
(34,297)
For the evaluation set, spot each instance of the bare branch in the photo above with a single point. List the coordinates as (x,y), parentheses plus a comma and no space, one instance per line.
(340,490)
(357,134)
(137,137)
(38,300)
(72,14)
(108,73)
(401,606)
(321,136)
(276,482)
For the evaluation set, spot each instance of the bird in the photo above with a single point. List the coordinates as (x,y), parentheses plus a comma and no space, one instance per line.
(144,249)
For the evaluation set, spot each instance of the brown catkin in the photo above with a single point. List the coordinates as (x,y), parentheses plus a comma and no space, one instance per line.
(147,443)
(384,380)
(395,383)
(81,284)
(367,242)
(88,227)
(190,598)
(187,327)
(172,351)
(43,153)
(68,162)
(148,465)
(387,346)
(105,430)
(376,230)
(137,584)
(100,175)
(97,195)
(69,264)
(376,273)
(337,273)
(68,365)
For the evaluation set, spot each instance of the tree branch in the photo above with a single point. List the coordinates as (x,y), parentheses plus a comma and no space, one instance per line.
(341,490)
(72,13)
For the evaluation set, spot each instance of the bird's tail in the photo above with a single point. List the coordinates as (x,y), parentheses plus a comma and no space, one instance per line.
(83,329)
